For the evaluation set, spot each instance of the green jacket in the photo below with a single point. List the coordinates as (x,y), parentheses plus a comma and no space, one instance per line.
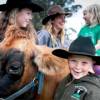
(86,88)
(93,32)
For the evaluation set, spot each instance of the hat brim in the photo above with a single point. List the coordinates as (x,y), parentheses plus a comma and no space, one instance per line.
(65,54)
(32,6)
(47,18)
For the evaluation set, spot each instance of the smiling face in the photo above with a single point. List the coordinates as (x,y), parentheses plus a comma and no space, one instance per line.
(59,22)
(86,17)
(79,65)
(23,17)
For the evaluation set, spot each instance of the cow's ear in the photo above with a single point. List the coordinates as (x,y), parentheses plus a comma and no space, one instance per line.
(50,64)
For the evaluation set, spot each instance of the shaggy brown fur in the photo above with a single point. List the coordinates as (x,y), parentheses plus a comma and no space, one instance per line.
(54,68)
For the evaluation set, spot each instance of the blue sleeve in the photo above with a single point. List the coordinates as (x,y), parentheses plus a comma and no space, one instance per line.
(43,37)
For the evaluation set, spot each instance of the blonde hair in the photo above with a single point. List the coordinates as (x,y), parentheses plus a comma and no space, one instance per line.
(4,17)
(30,28)
(94,9)
(49,28)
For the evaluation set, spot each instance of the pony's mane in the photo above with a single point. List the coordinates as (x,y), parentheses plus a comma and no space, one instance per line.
(14,32)
(50,64)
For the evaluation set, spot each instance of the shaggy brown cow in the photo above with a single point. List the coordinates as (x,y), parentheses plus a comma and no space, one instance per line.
(53,68)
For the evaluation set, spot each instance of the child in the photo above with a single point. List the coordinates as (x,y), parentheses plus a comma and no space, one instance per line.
(19,12)
(80,84)
(91,15)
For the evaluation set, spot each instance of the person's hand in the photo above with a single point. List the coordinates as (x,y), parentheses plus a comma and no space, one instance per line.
(97,47)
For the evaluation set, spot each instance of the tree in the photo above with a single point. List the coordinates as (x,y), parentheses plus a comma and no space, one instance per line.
(46,4)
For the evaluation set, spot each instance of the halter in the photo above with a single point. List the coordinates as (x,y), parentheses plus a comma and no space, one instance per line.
(37,81)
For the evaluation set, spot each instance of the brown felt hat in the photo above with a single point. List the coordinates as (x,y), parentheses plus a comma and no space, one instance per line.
(54,11)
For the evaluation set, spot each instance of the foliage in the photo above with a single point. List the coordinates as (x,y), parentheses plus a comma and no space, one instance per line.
(45,4)
(66,4)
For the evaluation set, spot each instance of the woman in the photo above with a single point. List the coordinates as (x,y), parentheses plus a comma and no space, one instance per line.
(9,14)
(52,34)
(91,16)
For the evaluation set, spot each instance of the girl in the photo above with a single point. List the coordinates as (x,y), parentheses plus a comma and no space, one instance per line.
(91,16)
(12,10)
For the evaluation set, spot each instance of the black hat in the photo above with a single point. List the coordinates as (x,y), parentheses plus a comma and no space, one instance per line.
(54,11)
(11,4)
(80,46)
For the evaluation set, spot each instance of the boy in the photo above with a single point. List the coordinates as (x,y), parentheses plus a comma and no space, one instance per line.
(80,84)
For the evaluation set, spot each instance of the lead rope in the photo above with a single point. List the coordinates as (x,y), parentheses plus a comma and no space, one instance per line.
(38,80)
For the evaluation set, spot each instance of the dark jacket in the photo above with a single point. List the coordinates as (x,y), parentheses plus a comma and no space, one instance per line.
(86,88)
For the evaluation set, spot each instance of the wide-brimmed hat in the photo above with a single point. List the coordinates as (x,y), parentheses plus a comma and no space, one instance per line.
(54,11)
(11,4)
(80,46)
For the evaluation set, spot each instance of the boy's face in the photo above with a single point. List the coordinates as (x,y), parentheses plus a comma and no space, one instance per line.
(79,65)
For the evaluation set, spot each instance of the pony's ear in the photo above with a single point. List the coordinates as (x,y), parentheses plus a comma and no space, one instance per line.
(2,61)
(2,55)
(50,64)
(34,64)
